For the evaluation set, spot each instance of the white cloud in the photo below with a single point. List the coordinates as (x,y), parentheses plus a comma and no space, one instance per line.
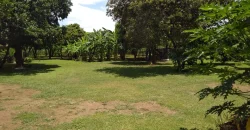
(86,2)
(89,18)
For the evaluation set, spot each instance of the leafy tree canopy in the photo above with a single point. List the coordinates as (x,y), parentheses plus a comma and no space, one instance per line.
(227,27)
(27,19)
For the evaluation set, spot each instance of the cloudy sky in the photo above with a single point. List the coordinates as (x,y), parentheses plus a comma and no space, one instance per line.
(90,14)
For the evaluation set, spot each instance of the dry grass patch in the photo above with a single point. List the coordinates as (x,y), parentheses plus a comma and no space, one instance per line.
(242,87)
(15,101)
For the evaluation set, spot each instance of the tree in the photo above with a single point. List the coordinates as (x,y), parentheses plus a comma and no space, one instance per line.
(73,32)
(135,17)
(52,37)
(227,26)
(151,23)
(24,20)
(121,45)
(97,44)
(110,43)
(4,56)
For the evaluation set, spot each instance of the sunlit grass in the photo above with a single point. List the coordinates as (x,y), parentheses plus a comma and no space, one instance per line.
(108,81)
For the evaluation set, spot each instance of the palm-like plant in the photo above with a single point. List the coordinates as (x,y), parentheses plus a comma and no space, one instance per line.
(95,45)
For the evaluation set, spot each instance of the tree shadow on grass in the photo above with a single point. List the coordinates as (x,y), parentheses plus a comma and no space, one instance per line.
(137,63)
(138,69)
(163,70)
(182,128)
(30,69)
(137,72)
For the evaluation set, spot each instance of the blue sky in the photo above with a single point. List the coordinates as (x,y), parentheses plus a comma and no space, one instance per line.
(89,14)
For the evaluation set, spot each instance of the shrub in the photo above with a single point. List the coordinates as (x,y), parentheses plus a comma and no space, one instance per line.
(28,60)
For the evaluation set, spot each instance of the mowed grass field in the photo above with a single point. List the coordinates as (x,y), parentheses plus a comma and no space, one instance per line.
(58,94)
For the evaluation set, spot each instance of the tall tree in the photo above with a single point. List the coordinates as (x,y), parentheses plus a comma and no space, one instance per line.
(24,19)
(73,32)
(121,45)
(151,22)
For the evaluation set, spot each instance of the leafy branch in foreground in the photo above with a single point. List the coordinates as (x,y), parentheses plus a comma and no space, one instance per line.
(226,28)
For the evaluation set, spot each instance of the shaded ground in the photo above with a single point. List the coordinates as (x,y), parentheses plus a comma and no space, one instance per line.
(243,88)
(140,69)
(139,72)
(18,108)
(31,69)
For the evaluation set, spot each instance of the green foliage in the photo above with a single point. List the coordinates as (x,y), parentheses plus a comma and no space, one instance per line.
(225,30)
(120,45)
(28,59)
(52,39)
(24,23)
(97,44)
(27,117)
(152,23)
(72,33)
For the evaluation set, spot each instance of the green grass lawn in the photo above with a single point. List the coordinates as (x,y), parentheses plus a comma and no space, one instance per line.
(117,81)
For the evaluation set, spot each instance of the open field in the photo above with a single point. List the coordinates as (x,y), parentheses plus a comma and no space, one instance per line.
(57,94)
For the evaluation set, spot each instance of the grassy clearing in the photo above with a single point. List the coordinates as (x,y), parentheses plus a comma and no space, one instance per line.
(120,81)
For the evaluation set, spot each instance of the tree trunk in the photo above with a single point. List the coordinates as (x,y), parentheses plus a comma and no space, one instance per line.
(25,52)
(153,58)
(135,54)
(61,53)
(179,66)
(101,58)
(202,62)
(122,55)
(84,57)
(19,56)
(30,49)
(108,55)
(5,57)
(46,52)
(35,53)
(150,55)
(182,66)
(147,56)
(167,51)
(116,52)
(50,53)
(90,57)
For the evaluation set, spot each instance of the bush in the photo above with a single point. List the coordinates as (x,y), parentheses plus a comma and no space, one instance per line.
(28,60)
(10,59)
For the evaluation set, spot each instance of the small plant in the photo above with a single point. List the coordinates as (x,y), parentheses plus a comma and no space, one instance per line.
(11,58)
(28,60)
(27,117)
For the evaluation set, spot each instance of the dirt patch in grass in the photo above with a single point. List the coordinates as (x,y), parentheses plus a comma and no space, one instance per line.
(66,113)
(244,88)
(145,107)
(14,100)
(212,85)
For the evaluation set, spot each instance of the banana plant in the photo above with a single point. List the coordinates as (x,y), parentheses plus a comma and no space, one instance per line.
(95,45)
(110,41)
